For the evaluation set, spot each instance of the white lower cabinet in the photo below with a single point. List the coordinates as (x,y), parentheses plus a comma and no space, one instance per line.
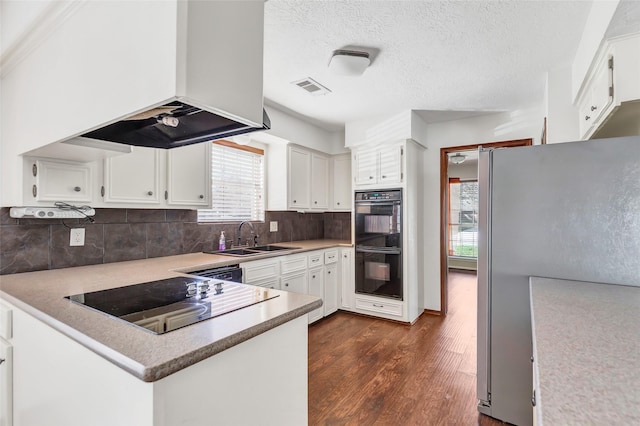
(6,383)
(378,305)
(318,273)
(347,279)
(295,282)
(260,271)
(330,289)
(269,283)
(316,288)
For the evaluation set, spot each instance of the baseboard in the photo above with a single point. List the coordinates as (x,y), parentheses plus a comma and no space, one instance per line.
(432,312)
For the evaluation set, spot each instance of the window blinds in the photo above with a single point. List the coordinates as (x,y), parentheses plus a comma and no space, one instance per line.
(237,185)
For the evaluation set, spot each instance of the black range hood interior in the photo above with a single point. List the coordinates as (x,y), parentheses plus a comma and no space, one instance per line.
(173,125)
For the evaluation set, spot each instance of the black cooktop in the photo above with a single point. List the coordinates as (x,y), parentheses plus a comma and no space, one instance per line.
(166,305)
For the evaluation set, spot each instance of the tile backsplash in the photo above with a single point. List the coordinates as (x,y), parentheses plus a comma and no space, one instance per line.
(128,234)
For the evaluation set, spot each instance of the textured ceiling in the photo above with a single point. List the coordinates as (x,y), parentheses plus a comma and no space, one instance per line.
(427,55)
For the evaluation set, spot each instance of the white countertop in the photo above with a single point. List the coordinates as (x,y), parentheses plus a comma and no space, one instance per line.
(586,341)
(147,356)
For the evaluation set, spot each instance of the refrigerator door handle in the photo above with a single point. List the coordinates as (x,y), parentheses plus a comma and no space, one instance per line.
(485,160)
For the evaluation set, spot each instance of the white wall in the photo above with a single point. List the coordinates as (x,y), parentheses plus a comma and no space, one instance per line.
(300,132)
(562,117)
(380,129)
(521,124)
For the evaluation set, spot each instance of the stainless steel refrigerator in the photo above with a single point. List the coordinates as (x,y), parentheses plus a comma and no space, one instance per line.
(569,211)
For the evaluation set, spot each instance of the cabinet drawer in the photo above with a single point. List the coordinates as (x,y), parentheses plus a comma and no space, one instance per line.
(316,259)
(330,256)
(253,272)
(384,307)
(293,264)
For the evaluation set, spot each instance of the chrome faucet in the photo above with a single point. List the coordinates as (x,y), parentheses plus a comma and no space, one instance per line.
(253,232)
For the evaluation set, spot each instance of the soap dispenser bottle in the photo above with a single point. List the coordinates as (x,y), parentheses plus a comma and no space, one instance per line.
(222,244)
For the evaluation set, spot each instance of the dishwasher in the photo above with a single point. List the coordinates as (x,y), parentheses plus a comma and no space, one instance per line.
(227,273)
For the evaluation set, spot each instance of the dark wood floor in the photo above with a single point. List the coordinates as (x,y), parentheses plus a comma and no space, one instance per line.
(367,371)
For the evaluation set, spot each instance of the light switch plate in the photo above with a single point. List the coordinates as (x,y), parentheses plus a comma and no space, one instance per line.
(77,237)
(273,226)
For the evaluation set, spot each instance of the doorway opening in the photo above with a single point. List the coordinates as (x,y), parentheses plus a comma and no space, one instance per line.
(458,218)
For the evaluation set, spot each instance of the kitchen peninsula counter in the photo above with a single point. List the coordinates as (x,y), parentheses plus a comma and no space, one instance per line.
(586,342)
(60,349)
(147,356)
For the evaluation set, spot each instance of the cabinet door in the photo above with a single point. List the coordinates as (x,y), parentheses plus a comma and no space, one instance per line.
(319,183)
(330,289)
(298,178)
(61,181)
(316,288)
(342,182)
(366,166)
(347,279)
(602,92)
(189,175)
(390,169)
(133,178)
(296,283)
(6,383)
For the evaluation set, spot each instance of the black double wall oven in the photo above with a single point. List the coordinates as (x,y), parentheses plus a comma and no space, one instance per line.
(378,243)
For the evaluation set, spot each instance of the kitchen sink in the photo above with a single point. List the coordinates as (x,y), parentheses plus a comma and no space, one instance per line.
(237,252)
(252,251)
(272,248)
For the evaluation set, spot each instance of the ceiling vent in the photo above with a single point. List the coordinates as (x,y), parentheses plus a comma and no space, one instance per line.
(312,87)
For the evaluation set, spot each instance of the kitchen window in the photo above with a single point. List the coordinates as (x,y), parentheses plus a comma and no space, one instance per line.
(463,218)
(237,184)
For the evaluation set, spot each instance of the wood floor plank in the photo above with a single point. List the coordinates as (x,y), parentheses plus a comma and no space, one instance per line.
(369,371)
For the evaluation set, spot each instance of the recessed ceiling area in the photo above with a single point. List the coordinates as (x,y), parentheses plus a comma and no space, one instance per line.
(446,59)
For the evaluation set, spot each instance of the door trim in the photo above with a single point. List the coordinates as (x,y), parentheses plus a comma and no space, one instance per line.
(444,164)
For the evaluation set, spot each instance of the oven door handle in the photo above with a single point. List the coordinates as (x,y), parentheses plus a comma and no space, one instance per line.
(379,250)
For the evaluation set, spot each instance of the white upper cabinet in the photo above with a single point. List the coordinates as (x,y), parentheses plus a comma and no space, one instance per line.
(133,178)
(365,163)
(189,175)
(608,103)
(299,179)
(53,180)
(341,182)
(319,182)
(380,166)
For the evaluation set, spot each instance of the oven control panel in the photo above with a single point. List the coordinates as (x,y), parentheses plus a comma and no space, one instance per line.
(379,196)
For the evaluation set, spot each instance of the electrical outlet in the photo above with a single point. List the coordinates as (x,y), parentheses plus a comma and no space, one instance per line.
(273,226)
(77,237)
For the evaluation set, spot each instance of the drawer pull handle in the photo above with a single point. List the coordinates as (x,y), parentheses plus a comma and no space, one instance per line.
(77,189)
(329,272)
(378,306)
(586,117)
(533,399)
(150,193)
(2,360)
(593,107)
(201,196)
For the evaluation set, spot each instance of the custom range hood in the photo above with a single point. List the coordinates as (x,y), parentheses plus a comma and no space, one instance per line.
(192,73)
(173,125)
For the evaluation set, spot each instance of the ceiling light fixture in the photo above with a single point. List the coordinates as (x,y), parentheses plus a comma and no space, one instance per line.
(349,62)
(458,158)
